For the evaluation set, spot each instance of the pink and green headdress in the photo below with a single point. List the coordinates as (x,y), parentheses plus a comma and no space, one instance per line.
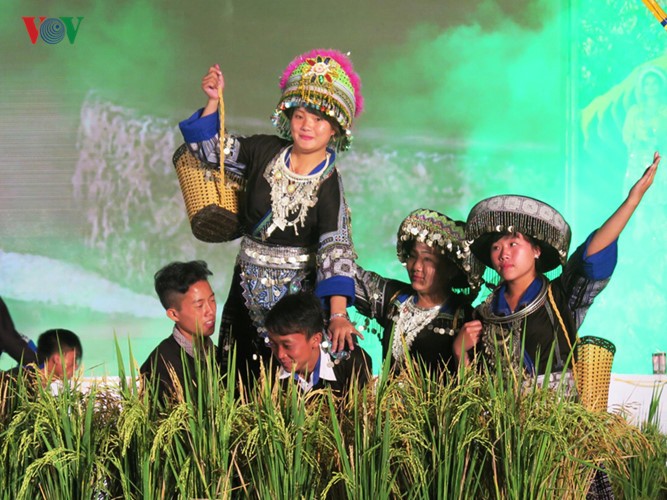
(323,80)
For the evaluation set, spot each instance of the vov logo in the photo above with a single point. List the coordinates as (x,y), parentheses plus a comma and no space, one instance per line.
(52,30)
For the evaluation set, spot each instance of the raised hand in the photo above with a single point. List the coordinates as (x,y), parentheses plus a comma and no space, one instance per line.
(612,228)
(210,84)
(641,186)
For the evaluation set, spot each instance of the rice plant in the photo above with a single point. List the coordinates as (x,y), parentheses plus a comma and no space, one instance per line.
(374,440)
(366,445)
(286,452)
(546,444)
(411,434)
(529,443)
(55,446)
(135,470)
(450,448)
(201,455)
(644,475)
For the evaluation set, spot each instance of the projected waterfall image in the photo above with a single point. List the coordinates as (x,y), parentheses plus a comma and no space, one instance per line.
(561,101)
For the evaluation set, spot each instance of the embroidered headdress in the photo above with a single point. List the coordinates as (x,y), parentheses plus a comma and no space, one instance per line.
(445,235)
(323,80)
(519,214)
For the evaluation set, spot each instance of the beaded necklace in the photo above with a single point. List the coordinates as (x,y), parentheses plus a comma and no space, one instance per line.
(292,194)
(411,320)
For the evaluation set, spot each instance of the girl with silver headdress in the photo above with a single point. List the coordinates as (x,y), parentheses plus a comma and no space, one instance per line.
(428,317)
(527,315)
(297,223)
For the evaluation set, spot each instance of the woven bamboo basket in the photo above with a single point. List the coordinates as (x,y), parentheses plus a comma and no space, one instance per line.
(212,203)
(593,371)
(213,198)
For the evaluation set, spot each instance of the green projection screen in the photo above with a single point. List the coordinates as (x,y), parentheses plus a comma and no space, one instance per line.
(563,101)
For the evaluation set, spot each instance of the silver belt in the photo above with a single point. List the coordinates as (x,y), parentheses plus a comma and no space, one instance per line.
(273,256)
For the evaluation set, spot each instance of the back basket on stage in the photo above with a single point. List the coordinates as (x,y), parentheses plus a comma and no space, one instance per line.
(212,197)
(593,371)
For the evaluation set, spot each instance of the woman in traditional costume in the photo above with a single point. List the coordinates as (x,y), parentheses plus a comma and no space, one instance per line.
(528,319)
(295,217)
(431,316)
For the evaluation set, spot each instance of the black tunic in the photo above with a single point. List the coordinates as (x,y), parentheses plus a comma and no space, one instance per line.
(381,299)
(11,341)
(323,232)
(157,374)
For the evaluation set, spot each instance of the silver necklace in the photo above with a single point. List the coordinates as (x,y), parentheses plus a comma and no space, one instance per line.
(411,320)
(488,315)
(291,194)
(503,333)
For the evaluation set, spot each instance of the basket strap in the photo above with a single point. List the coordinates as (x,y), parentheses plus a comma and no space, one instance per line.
(567,334)
(221,138)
